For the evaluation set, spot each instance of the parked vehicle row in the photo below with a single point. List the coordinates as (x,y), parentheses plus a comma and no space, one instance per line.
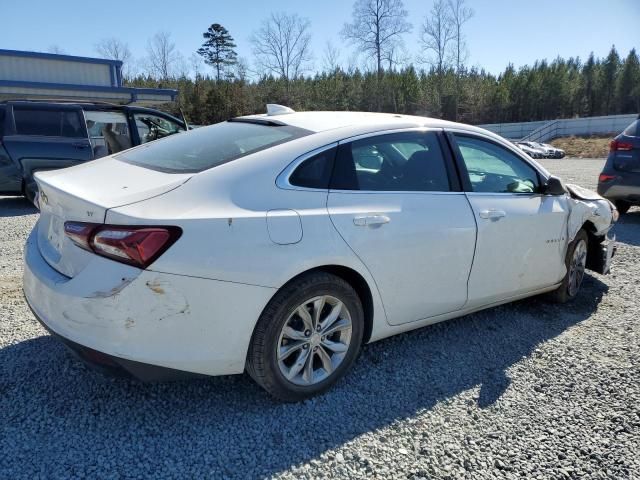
(42,135)
(280,243)
(540,150)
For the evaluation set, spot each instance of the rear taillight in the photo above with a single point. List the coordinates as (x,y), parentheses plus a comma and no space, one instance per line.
(603,178)
(618,146)
(135,245)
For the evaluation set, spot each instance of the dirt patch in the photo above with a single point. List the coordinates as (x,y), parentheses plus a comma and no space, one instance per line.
(583,147)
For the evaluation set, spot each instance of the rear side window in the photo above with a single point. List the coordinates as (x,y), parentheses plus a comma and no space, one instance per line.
(208,147)
(315,171)
(632,130)
(2,119)
(50,123)
(407,161)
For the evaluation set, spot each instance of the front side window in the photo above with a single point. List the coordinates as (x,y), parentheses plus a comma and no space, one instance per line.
(407,161)
(494,169)
(207,147)
(153,127)
(49,123)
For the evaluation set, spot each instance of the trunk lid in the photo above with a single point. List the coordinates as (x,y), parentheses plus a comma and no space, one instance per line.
(84,193)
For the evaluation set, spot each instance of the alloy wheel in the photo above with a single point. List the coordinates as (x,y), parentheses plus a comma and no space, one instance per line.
(577,267)
(314,340)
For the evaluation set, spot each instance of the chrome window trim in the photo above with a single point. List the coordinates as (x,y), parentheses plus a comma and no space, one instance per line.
(282,180)
(388,132)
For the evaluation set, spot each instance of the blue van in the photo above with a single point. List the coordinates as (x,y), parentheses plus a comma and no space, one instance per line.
(45,135)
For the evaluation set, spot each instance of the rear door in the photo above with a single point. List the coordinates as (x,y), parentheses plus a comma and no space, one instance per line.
(46,137)
(521,232)
(396,201)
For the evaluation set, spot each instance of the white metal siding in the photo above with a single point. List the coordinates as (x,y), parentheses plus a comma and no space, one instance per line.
(27,69)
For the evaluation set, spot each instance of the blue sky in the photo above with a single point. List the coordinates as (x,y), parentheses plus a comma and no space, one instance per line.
(502,31)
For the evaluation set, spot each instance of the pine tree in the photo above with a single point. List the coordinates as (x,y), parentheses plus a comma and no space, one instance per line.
(628,87)
(610,68)
(219,49)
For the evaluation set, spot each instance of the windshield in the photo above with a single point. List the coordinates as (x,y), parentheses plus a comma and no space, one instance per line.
(207,147)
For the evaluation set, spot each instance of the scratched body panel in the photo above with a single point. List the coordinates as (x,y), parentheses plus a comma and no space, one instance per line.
(167,320)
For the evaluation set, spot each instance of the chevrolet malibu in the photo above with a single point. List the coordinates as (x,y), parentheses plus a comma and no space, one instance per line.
(279,244)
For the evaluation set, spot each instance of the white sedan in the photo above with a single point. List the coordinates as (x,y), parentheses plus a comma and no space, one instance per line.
(281,243)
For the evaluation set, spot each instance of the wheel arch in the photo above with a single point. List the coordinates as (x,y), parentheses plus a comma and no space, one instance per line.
(359,284)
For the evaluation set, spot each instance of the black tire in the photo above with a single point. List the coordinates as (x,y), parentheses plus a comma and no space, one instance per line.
(622,206)
(30,190)
(262,362)
(562,294)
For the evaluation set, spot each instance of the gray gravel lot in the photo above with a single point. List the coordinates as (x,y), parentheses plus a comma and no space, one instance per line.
(529,390)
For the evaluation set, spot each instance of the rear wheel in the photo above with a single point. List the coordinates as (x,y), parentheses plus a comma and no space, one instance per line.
(622,206)
(307,338)
(576,263)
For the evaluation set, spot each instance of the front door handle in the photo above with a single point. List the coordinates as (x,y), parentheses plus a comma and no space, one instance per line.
(492,214)
(80,145)
(370,220)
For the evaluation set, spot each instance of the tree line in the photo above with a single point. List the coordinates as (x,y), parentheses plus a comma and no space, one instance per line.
(382,77)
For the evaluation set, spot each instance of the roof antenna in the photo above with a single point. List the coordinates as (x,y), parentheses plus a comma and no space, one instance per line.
(275,109)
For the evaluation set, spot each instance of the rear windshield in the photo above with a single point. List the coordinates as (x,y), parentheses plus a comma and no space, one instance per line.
(208,147)
(632,130)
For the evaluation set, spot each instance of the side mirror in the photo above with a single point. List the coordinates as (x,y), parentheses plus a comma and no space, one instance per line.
(553,186)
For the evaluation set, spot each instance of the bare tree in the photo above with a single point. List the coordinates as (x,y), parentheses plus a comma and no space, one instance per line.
(436,35)
(115,49)
(396,57)
(162,56)
(377,27)
(282,46)
(459,14)
(57,49)
(331,57)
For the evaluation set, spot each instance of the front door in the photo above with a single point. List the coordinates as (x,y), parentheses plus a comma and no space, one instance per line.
(521,232)
(392,200)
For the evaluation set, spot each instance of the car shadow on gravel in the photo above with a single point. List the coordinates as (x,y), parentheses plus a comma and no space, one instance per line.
(16,207)
(627,229)
(58,417)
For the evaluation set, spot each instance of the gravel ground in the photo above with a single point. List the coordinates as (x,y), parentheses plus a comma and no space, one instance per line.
(527,390)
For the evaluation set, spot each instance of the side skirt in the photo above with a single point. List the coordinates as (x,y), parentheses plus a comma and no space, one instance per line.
(388,331)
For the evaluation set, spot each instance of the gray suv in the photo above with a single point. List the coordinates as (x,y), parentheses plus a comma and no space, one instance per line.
(620,177)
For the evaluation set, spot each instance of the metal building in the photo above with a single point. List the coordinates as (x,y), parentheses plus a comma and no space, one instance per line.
(36,75)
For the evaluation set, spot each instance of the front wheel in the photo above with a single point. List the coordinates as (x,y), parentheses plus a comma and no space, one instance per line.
(576,263)
(307,338)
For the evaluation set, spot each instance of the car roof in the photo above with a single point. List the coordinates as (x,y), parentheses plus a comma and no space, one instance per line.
(322,121)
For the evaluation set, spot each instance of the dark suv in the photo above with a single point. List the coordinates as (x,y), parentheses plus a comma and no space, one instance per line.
(620,177)
(40,135)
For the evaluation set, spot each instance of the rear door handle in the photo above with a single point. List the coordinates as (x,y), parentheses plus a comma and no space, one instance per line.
(370,220)
(492,214)
(80,145)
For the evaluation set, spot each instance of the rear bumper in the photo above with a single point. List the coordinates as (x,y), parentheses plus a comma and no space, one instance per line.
(626,186)
(136,319)
(116,366)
